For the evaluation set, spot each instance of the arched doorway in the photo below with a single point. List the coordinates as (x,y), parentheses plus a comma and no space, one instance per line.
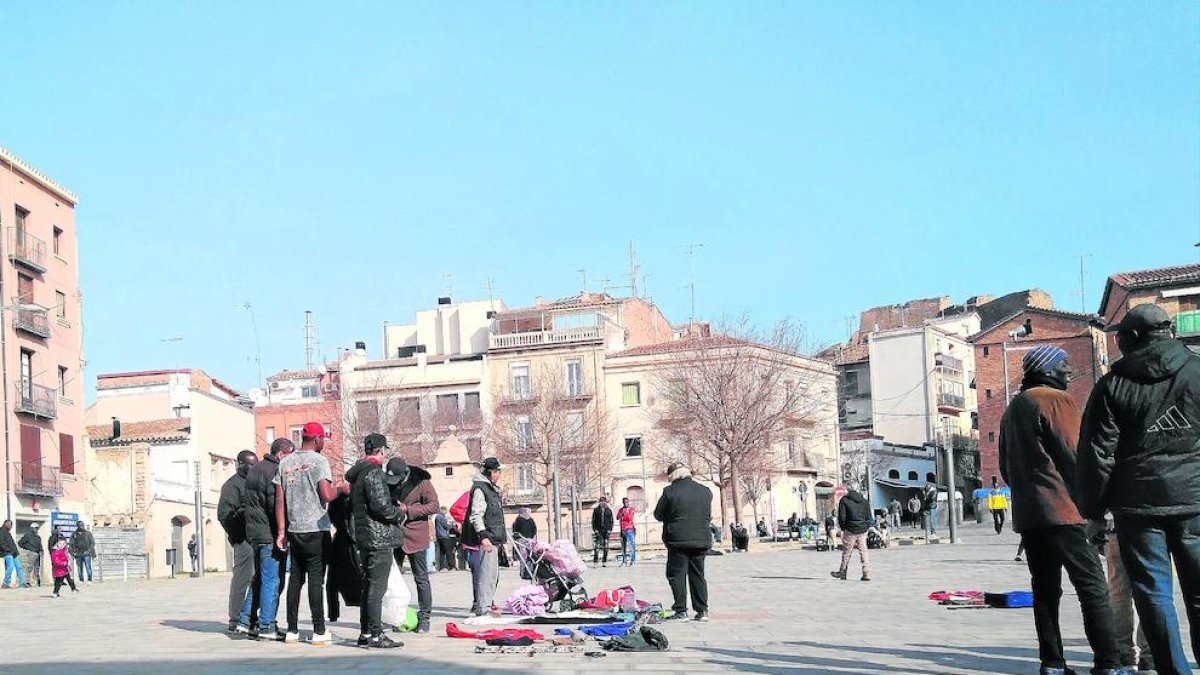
(823,491)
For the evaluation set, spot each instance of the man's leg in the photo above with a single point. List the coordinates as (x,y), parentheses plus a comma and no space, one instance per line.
(473,561)
(8,570)
(490,579)
(1045,571)
(295,584)
(1121,598)
(317,560)
(1184,544)
(677,569)
(87,561)
(270,566)
(1144,550)
(1082,564)
(632,535)
(861,545)
(624,549)
(420,574)
(847,545)
(240,601)
(376,566)
(998,520)
(595,547)
(697,584)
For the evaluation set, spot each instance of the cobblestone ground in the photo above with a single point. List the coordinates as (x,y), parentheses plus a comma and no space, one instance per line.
(773,611)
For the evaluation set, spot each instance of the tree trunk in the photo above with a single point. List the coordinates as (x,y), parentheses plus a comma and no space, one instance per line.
(733,491)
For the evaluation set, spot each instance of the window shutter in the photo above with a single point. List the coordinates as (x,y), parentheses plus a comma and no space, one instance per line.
(66,453)
(31,453)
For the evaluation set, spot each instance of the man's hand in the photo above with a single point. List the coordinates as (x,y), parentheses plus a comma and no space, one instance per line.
(281,542)
(344,488)
(402,507)
(487,546)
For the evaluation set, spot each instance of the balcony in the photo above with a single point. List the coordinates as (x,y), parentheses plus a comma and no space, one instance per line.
(545,337)
(525,497)
(36,400)
(1187,324)
(26,249)
(31,318)
(948,362)
(36,480)
(951,403)
(464,419)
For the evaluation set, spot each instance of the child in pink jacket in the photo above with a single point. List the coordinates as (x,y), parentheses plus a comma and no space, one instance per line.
(60,564)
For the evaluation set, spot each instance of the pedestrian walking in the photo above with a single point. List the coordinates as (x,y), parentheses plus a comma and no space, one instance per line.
(894,512)
(854,516)
(830,525)
(1140,459)
(376,520)
(685,510)
(303,488)
(998,505)
(194,553)
(483,531)
(625,518)
(12,557)
(929,509)
(602,527)
(262,531)
(243,605)
(1038,436)
(60,567)
(414,494)
(83,548)
(31,554)
(914,510)
(445,542)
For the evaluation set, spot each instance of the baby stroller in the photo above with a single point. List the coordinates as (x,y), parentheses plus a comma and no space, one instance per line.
(553,569)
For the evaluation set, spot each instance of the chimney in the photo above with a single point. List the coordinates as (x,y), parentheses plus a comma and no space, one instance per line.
(360,349)
(116,428)
(444,300)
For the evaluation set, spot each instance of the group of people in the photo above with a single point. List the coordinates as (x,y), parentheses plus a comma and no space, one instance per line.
(1122,477)
(603,522)
(28,554)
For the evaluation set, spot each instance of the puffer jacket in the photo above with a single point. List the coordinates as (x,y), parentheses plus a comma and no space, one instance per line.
(230,507)
(854,514)
(258,501)
(374,519)
(1139,450)
(685,510)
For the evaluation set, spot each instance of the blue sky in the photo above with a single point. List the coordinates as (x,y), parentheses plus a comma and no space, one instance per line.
(830,157)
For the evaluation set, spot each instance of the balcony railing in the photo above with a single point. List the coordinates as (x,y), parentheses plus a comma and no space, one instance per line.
(1187,324)
(956,401)
(36,400)
(948,362)
(31,318)
(545,337)
(26,249)
(32,478)
(535,496)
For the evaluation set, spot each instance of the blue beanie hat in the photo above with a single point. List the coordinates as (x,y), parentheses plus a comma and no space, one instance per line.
(1043,358)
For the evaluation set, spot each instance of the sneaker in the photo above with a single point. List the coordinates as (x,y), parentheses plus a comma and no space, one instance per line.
(320,639)
(1018,559)
(363,641)
(291,638)
(838,575)
(277,636)
(55,595)
(239,629)
(701,616)
(865,577)
(422,627)
(232,627)
(383,642)
(677,616)
(1056,671)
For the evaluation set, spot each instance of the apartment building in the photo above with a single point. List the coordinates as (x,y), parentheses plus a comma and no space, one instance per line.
(1175,289)
(292,398)
(41,364)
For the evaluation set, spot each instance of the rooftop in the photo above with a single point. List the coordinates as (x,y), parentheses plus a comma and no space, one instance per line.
(1158,277)
(294,375)
(143,378)
(28,169)
(685,344)
(173,429)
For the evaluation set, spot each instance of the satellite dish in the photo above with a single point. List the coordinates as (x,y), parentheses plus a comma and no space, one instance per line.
(322,369)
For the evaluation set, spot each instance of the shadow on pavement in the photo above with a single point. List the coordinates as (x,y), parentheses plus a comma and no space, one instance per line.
(215,627)
(374,663)
(989,659)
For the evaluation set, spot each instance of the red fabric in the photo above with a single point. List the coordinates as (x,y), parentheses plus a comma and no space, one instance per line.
(452,630)
(942,596)
(60,562)
(625,515)
(459,511)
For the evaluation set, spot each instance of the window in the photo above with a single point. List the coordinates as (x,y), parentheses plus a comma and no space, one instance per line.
(987,392)
(985,350)
(930,478)
(851,383)
(27,374)
(912,475)
(58,241)
(449,471)
(367,416)
(295,433)
(471,407)
(408,413)
(520,380)
(60,304)
(524,433)
(310,391)
(523,480)
(791,450)
(631,394)
(270,433)
(447,408)
(62,380)
(574,370)
(633,446)
(24,289)
(22,214)
(991,437)
(66,453)
(894,474)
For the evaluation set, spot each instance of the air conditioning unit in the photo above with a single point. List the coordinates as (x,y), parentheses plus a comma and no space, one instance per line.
(275,386)
(330,388)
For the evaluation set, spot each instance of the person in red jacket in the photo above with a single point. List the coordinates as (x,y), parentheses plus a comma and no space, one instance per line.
(60,565)
(628,533)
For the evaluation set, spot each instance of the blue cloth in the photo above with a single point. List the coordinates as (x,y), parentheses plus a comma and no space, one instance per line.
(271,567)
(1148,545)
(84,563)
(600,630)
(12,562)
(628,546)
(1043,358)
(441,526)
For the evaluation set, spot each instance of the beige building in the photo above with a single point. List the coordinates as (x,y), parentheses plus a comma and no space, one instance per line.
(45,473)
(178,428)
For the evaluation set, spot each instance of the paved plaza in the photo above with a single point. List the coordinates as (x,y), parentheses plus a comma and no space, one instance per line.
(773,611)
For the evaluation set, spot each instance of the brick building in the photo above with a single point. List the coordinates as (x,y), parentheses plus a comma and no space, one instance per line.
(295,397)
(995,346)
(1175,289)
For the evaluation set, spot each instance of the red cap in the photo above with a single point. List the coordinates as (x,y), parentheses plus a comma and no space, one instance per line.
(313,430)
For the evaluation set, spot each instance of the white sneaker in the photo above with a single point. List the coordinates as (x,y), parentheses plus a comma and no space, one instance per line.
(320,639)
(291,638)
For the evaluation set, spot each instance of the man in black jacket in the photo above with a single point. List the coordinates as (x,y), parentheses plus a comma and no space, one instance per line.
(31,551)
(602,526)
(230,510)
(685,510)
(258,514)
(12,556)
(375,522)
(854,519)
(83,549)
(1139,457)
(483,532)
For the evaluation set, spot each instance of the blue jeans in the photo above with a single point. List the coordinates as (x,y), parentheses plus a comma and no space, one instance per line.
(12,562)
(270,566)
(629,546)
(1149,545)
(84,562)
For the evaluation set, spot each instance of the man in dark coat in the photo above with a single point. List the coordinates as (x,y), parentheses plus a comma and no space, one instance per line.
(602,527)
(685,510)
(854,515)
(31,550)
(414,494)
(230,514)
(12,556)
(1038,435)
(376,525)
(1139,458)
(83,549)
(258,516)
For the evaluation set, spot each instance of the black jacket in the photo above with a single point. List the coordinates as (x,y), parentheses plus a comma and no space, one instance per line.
(1139,448)
(602,519)
(258,502)
(230,509)
(854,515)
(8,546)
(31,542)
(375,520)
(493,515)
(82,543)
(526,527)
(685,510)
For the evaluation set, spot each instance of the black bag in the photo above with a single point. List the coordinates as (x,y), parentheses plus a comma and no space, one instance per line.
(645,640)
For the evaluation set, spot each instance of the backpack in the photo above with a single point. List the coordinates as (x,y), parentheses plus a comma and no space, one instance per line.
(459,510)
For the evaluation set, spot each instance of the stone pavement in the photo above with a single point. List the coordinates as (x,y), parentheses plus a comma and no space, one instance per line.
(773,611)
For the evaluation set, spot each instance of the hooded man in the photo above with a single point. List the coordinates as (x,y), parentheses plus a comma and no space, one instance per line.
(1139,458)
(231,515)
(83,549)
(602,527)
(854,519)
(12,556)
(1038,435)
(685,510)
(413,493)
(483,531)
(31,552)
(258,514)
(375,521)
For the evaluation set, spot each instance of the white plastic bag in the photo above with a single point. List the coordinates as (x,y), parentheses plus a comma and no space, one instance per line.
(396,599)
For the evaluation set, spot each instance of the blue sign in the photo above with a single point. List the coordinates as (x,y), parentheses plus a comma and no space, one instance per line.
(61,521)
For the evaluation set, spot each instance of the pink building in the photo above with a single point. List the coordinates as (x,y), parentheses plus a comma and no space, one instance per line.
(41,367)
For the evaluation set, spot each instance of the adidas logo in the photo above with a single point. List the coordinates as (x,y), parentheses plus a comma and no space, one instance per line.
(1170,421)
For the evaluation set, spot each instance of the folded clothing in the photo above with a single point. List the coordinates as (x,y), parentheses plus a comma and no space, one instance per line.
(454,631)
(524,641)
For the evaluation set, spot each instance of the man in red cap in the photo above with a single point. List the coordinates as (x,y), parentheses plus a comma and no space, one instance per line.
(303,490)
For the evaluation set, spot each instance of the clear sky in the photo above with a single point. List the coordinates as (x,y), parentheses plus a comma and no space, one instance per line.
(345,157)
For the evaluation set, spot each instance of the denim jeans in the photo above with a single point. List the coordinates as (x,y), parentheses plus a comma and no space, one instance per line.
(629,546)
(270,564)
(1149,546)
(84,563)
(12,562)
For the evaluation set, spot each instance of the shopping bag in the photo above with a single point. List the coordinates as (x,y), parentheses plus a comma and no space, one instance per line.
(396,599)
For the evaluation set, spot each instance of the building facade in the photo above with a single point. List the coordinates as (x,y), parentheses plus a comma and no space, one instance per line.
(1175,289)
(40,349)
(293,398)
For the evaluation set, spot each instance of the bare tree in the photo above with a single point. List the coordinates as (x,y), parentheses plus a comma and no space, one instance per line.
(857,457)
(756,474)
(731,394)
(373,405)
(564,437)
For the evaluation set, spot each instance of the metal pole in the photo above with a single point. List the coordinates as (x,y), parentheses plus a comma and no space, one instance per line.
(199,525)
(555,496)
(953,503)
